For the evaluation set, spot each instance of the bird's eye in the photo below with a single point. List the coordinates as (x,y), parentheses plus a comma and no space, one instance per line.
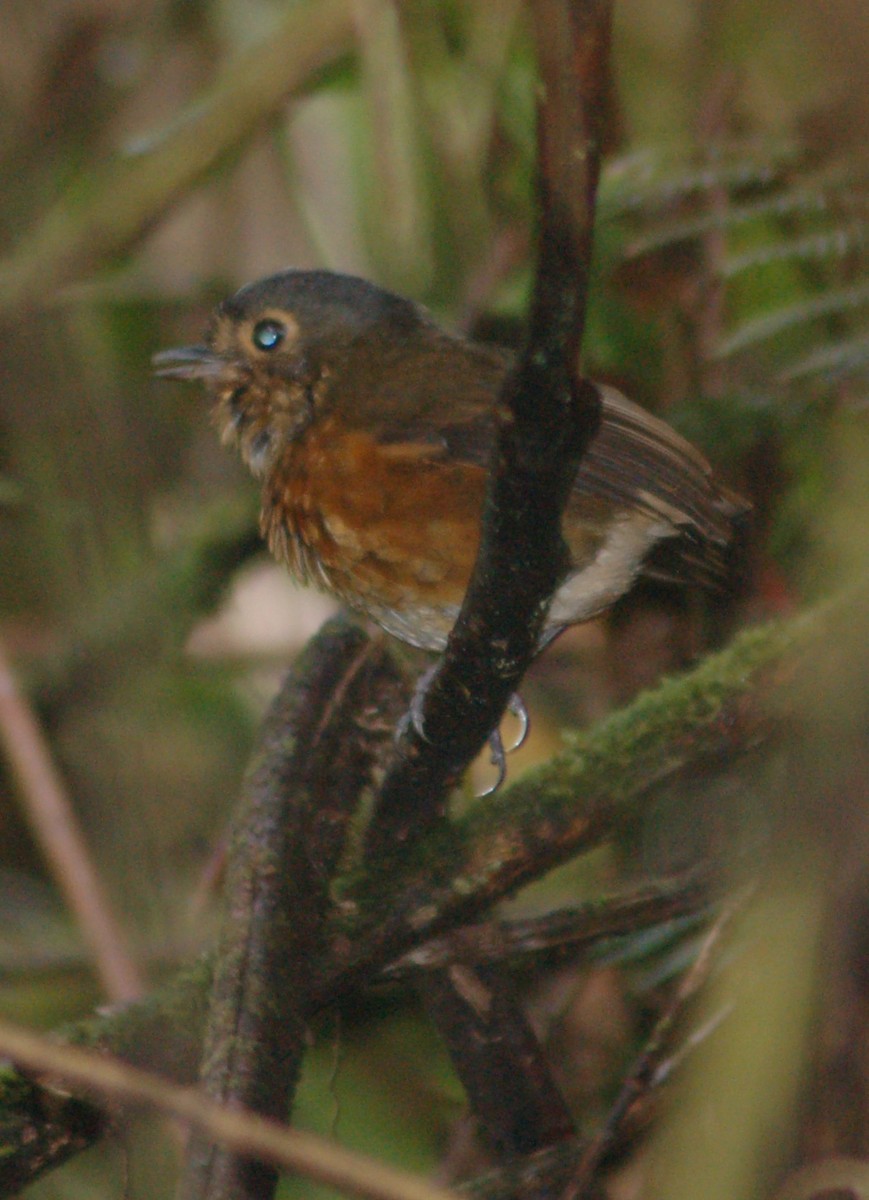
(268,334)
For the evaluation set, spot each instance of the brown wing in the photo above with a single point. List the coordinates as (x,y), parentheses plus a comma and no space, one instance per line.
(433,390)
(639,462)
(636,462)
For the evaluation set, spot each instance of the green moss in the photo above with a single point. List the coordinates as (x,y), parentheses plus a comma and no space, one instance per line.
(644,741)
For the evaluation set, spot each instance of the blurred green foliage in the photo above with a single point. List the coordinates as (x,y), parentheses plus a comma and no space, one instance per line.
(731,291)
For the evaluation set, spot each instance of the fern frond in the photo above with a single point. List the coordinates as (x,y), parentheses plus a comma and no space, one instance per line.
(828,244)
(840,358)
(779,320)
(790,263)
(797,202)
(642,182)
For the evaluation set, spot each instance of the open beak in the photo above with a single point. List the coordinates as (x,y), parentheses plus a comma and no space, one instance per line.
(188,362)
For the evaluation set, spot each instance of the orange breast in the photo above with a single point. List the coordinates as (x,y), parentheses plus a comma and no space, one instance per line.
(389,525)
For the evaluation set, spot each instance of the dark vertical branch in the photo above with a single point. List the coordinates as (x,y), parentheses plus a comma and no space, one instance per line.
(573,42)
(548,416)
(497,1057)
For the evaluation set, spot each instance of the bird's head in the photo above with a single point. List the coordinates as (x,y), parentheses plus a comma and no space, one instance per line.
(274,354)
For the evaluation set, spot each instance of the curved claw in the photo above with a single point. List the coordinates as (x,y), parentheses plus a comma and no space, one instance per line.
(413,717)
(499,762)
(516,706)
(497,748)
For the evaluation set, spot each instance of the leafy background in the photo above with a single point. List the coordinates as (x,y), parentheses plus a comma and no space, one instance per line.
(145,624)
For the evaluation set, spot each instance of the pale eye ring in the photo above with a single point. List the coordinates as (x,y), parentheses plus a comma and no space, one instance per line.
(268,334)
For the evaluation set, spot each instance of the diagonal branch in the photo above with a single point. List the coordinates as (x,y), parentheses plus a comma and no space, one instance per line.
(547,417)
(707,724)
(293,1149)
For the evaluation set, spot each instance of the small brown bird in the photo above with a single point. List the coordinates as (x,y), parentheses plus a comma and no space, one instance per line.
(371,429)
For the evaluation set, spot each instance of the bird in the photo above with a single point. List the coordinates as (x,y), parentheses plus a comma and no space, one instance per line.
(370,427)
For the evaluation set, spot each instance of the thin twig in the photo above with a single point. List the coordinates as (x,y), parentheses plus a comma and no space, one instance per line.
(115,1082)
(565,930)
(49,813)
(644,1073)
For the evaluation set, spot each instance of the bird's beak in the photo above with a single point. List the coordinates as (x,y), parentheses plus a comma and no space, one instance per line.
(188,362)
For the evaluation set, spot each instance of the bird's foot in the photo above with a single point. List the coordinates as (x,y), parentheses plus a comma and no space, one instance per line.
(413,718)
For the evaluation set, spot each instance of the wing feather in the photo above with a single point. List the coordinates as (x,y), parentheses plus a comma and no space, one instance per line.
(638,461)
(635,463)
